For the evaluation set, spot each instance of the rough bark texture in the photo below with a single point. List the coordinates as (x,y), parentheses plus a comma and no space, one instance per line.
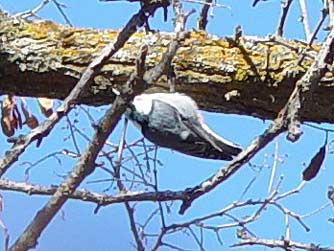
(251,76)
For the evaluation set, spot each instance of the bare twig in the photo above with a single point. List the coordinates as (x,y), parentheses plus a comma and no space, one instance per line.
(156,188)
(284,12)
(6,235)
(323,16)
(283,244)
(202,20)
(274,167)
(121,186)
(60,7)
(328,6)
(304,19)
(70,126)
(98,198)
(32,12)
(137,75)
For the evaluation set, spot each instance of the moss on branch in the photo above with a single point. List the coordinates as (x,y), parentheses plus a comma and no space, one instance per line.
(252,76)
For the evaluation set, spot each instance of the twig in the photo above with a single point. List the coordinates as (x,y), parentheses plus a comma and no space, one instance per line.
(328,6)
(6,235)
(121,186)
(215,4)
(98,198)
(156,188)
(283,244)
(317,210)
(304,19)
(284,12)
(32,12)
(138,74)
(32,165)
(324,14)
(202,20)
(327,130)
(60,7)
(274,167)
(75,144)
(199,221)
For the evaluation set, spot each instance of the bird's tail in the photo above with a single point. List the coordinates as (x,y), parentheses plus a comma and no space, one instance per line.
(221,144)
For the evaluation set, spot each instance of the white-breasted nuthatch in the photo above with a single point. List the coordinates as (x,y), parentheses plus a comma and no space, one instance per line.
(173,120)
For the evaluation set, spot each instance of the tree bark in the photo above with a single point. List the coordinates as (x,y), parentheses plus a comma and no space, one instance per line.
(249,75)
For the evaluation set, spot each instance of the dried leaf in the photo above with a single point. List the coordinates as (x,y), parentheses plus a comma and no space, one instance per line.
(31,120)
(6,127)
(45,104)
(313,168)
(10,116)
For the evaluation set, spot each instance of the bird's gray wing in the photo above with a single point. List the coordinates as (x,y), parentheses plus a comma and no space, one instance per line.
(207,135)
(192,119)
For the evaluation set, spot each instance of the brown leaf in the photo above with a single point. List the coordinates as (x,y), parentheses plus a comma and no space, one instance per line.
(31,120)
(313,168)
(6,127)
(10,116)
(45,104)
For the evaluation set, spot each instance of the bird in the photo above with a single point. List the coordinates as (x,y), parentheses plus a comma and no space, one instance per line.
(173,120)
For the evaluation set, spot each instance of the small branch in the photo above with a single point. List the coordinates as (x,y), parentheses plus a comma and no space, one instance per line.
(328,7)
(324,14)
(121,186)
(32,12)
(60,7)
(284,12)
(274,168)
(283,244)
(84,195)
(202,20)
(304,19)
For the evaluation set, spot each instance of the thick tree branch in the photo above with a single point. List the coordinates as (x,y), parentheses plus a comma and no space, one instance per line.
(288,119)
(253,77)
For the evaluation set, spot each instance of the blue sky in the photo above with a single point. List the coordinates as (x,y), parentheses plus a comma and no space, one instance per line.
(108,229)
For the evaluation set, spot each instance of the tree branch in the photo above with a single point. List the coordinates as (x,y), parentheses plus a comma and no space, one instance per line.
(287,119)
(55,57)
(98,198)
(283,244)
(86,163)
